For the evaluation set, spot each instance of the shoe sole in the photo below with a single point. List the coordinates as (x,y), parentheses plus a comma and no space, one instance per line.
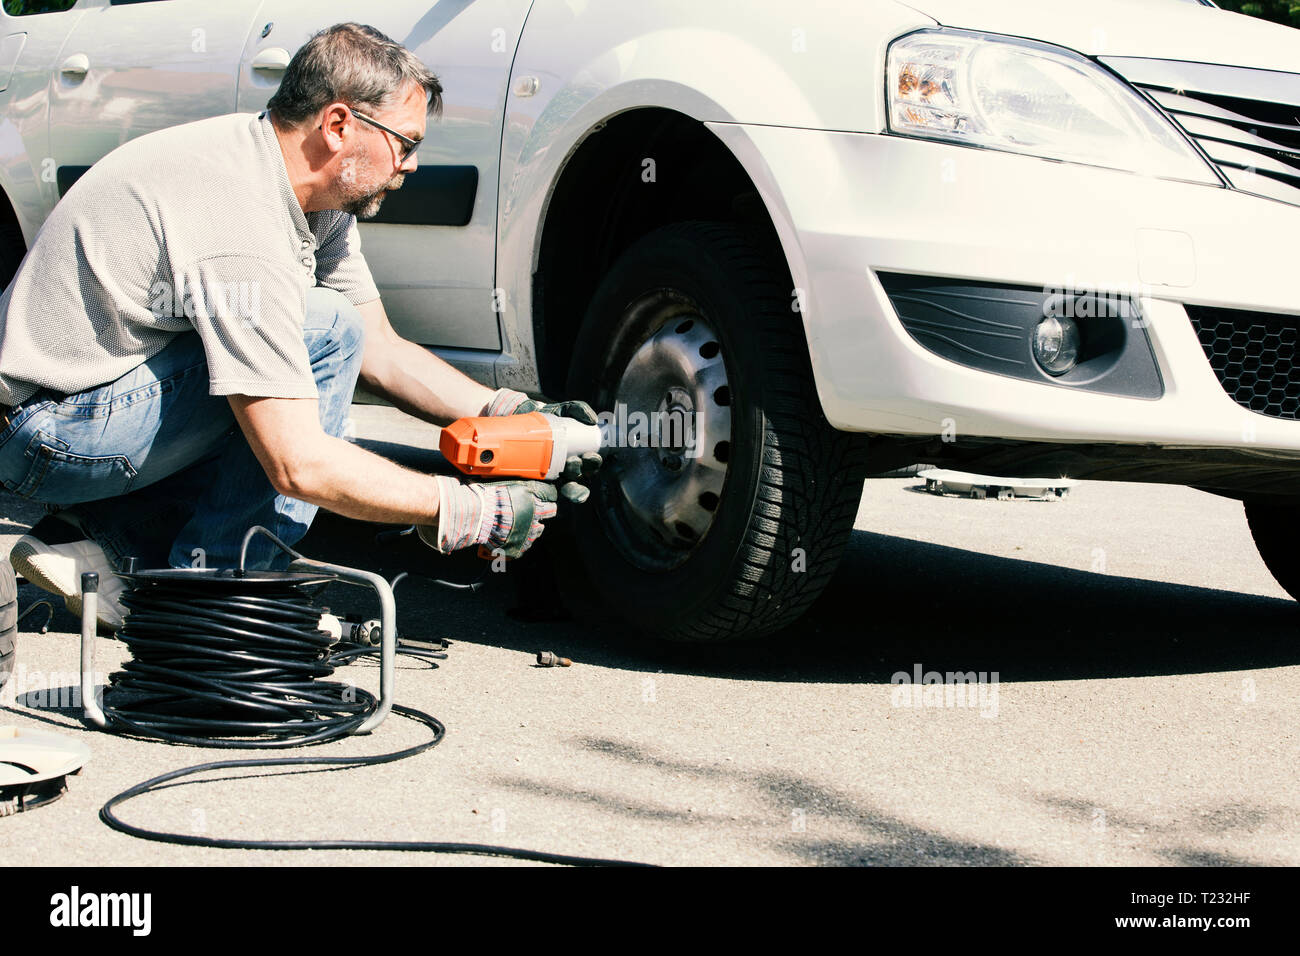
(41,569)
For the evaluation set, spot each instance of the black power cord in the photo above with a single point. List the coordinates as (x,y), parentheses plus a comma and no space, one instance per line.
(214,665)
(242,663)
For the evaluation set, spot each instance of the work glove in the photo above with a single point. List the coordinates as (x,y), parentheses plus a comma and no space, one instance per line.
(507,401)
(505,515)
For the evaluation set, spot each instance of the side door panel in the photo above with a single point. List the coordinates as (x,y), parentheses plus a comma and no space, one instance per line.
(132,68)
(435,263)
(28,168)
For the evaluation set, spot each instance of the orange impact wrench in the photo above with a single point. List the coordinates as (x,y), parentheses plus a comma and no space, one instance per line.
(533,446)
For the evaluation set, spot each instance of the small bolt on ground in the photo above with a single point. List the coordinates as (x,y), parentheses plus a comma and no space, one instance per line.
(547,659)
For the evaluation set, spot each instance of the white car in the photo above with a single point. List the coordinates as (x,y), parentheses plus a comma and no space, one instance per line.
(1016,237)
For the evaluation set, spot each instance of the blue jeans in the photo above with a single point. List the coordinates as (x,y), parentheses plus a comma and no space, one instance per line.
(156,468)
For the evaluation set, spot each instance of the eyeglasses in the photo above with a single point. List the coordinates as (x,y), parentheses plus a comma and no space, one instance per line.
(409,145)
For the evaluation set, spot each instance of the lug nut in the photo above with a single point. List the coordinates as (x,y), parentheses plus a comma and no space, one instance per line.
(547,659)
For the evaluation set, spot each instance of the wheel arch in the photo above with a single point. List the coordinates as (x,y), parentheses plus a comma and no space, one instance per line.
(13,232)
(9,212)
(607,195)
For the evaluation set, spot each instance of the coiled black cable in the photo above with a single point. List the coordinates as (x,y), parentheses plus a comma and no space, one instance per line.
(216,666)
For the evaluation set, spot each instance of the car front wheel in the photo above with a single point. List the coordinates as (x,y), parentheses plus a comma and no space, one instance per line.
(727,500)
(1273,524)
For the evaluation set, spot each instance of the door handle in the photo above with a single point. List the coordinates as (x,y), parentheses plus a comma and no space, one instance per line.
(76,66)
(271,60)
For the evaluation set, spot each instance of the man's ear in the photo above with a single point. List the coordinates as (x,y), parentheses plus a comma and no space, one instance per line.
(334,126)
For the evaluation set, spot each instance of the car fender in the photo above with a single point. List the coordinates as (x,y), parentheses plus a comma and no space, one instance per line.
(579,64)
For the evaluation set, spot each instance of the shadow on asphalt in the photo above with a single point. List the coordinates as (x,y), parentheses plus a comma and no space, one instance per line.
(881,838)
(894,603)
(1174,831)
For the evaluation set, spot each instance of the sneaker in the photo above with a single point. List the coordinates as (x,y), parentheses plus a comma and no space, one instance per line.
(55,554)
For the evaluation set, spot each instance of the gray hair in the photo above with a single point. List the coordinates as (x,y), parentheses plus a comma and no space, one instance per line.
(353,64)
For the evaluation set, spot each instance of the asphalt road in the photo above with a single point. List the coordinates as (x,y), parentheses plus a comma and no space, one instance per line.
(1145,710)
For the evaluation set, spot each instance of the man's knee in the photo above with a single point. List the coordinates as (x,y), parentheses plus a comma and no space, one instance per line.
(336,321)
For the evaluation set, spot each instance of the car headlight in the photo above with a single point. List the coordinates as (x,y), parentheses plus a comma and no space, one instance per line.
(1025,97)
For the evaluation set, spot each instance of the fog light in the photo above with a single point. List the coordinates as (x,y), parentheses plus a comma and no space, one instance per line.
(1056,345)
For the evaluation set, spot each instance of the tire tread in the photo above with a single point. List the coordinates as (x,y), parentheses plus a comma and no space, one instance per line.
(811,475)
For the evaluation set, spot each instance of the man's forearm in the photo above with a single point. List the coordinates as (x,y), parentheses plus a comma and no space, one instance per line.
(355,483)
(421,384)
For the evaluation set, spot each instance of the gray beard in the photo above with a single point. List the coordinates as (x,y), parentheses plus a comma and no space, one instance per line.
(366,207)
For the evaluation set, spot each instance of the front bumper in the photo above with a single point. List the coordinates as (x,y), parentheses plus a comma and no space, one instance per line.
(848,206)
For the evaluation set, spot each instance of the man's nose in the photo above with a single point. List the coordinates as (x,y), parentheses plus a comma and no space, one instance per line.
(410,164)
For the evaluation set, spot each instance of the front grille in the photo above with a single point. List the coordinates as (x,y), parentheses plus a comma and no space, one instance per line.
(1254,355)
(1246,120)
(1257,154)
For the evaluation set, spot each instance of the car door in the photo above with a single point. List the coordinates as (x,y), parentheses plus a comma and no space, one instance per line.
(432,247)
(33,35)
(131,67)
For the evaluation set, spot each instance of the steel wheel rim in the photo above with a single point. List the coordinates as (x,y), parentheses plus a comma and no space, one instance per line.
(665,480)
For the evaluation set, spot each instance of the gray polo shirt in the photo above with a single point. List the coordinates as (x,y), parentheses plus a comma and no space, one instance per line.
(189,228)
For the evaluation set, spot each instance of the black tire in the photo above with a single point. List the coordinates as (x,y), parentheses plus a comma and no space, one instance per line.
(791,480)
(8,621)
(1273,525)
